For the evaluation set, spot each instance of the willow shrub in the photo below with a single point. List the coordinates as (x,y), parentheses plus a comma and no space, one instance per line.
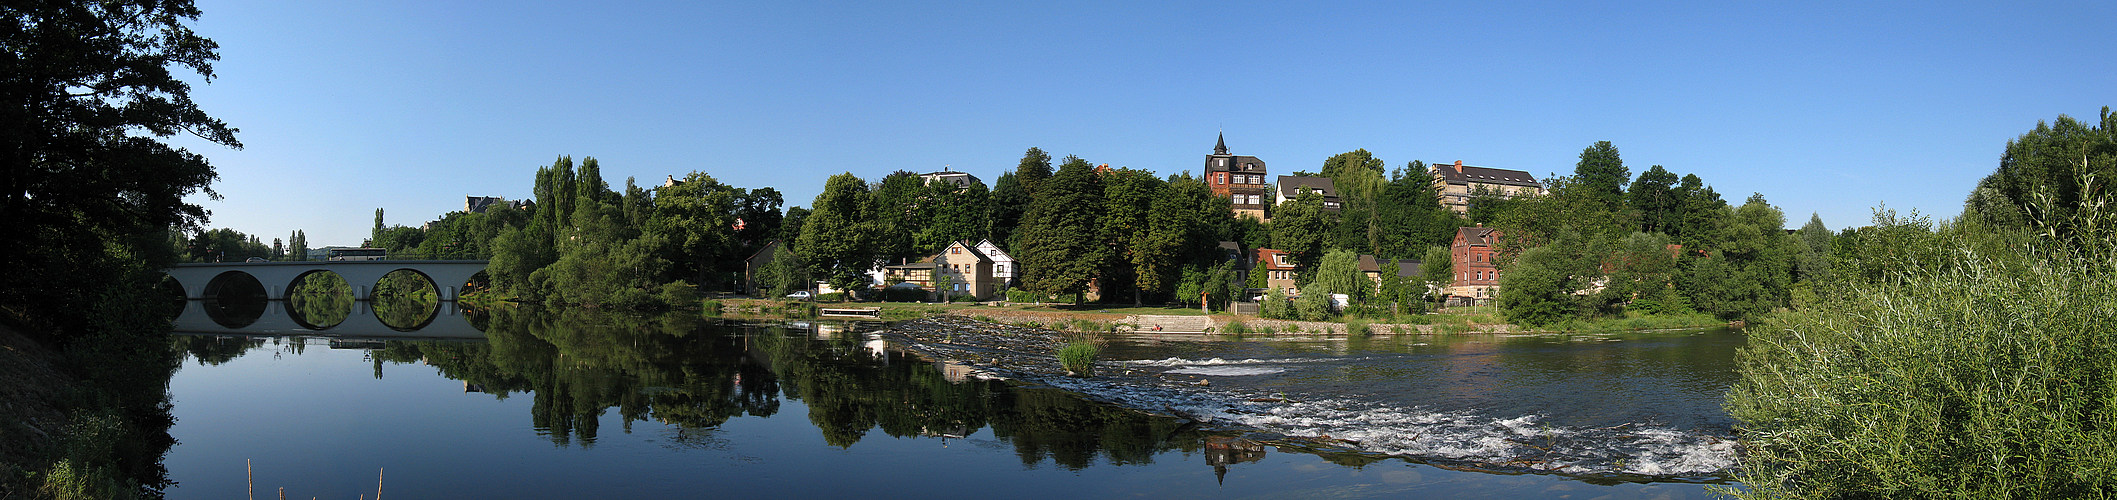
(1986,369)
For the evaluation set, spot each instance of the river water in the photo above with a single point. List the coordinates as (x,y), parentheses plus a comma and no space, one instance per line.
(577,404)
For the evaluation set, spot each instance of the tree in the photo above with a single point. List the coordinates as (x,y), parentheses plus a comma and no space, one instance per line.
(1437,269)
(2045,174)
(1603,175)
(298,246)
(89,93)
(1059,248)
(696,218)
(1300,227)
(1812,263)
(837,239)
(1339,272)
(1360,180)
(1702,213)
(1538,289)
(1653,195)
(375,235)
(1127,234)
(1641,272)
(783,274)
(1004,210)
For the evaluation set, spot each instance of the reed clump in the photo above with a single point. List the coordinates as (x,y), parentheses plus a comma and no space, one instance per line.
(1078,358)
(1966,362)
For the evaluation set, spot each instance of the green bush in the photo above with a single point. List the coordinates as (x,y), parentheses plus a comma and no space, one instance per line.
(1235,327)
(831,297)
(1078,358)
(1313,304)
(1276,306)
(1988,370)
(710,308)
(1357,329)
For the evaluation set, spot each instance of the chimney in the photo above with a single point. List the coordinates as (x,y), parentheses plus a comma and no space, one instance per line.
(1459,166)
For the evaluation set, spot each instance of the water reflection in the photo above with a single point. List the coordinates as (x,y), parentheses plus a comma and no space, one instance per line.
(697,375)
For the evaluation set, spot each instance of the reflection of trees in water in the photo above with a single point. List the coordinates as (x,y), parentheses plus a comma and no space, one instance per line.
(321,299)
(405,283)
(580,364)
(404,312)
(212,349)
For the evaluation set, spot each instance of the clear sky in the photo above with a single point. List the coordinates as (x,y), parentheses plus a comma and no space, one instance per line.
(1831,107)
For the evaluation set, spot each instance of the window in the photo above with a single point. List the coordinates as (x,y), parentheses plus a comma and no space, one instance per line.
(955,250)
(1221,178)
(1221,162)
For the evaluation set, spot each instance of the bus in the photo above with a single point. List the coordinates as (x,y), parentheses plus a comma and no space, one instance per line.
(355,254)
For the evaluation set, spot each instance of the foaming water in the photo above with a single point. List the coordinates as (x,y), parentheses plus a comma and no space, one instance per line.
(1607,405)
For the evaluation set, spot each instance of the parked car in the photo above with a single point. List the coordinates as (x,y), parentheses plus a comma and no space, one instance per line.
(804,294)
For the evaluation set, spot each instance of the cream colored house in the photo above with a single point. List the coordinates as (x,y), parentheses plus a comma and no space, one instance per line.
(1456,183)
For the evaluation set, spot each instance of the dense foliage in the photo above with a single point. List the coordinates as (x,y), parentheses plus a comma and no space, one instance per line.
(1971,358)
(1668,245)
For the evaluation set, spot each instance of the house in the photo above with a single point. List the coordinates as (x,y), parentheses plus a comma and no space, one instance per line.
(1280,270)
(968,272)
(478,204)
(1003,266)
(1290,187)
(755,262)
(1240,179)
(962,180)
(1376,269)
(920,273)
(1456,183)
(1477,279)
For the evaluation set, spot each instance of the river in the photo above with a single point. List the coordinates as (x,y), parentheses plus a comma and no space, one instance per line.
(581,404)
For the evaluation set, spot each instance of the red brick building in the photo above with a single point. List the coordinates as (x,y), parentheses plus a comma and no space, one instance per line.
(1477,279)
(1239,178)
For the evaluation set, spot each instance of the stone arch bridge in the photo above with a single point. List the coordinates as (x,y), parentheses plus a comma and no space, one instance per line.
(278,278)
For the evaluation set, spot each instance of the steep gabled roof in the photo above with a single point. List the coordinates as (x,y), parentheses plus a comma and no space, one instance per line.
(1368,264)
(1476,236)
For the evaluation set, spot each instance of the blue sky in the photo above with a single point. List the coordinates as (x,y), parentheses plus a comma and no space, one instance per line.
(1831,108)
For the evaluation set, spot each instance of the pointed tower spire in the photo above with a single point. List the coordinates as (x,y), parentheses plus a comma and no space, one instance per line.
(1222,147)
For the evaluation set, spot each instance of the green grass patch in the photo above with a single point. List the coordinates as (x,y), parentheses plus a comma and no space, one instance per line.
(1078,358)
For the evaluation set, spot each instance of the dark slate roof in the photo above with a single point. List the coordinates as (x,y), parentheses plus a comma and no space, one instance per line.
(1290,186)
(1221,147)
(1237,164)
(1408,267)
(1447,172)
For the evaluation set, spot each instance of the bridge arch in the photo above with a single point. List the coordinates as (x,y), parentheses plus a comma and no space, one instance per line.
(448,276)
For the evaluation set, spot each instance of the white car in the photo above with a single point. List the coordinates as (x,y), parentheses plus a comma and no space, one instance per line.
(799,295)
